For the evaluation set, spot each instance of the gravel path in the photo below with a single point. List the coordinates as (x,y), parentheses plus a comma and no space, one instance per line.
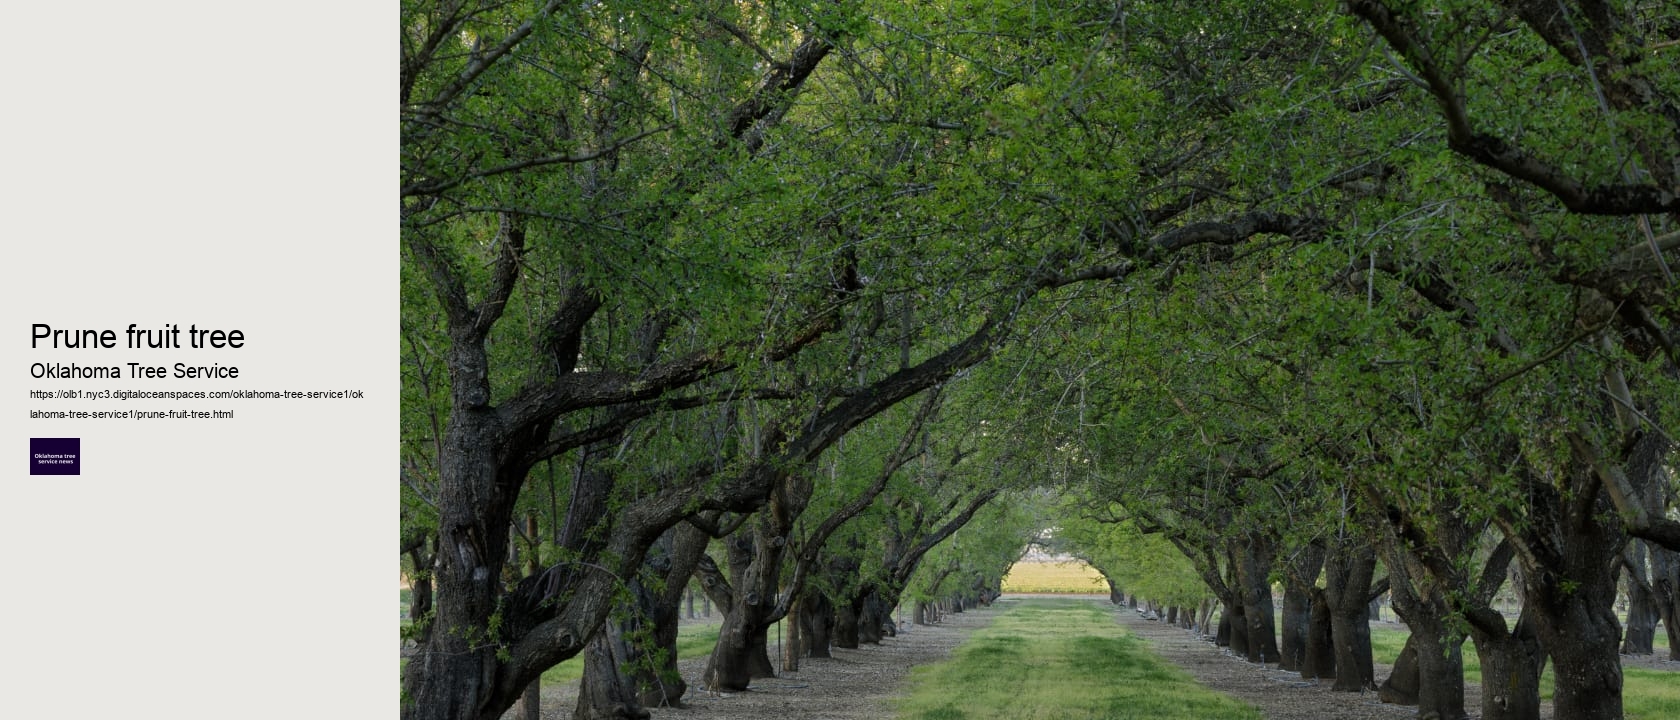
(853,685)
(1280,694)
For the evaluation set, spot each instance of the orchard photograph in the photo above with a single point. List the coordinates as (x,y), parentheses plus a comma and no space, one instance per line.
(980,359)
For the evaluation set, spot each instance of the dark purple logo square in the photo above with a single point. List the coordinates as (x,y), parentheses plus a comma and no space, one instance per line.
(55,456)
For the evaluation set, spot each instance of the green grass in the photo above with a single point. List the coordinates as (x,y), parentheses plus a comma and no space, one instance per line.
(1053,577)
(1650,694)
(692,641)
(1052,658)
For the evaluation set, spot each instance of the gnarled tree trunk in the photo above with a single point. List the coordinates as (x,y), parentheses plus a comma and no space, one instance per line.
(1347,593)
(1511,667)
(1320,658)
(1254,571)
(1297,605)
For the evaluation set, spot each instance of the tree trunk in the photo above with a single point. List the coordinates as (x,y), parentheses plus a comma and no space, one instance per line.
(609,693)
(1235,614)
(871,618)
(1569,588)
(816,620)
(1441,675)
(919,616)
(1578,627)
(1421,598)
(529,706)
(1642,613)
(1257,556)
(1297,605)
(742,653)
(1297,625)
(1665,584)
(1511,667)
(1350,631)
(1319,659)
(458,674)
(1401,687)
(1433,677)
(450,677)
(790,654)
(643,643)
(420,586)
(845,626)
(1347,589)
(672,563)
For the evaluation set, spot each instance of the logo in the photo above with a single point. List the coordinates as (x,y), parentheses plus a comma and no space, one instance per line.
(55,456)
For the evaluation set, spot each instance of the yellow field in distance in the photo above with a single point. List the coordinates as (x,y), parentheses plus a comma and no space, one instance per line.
(1069,576)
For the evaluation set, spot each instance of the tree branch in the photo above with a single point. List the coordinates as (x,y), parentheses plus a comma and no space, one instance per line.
(1497,153)
(439,186)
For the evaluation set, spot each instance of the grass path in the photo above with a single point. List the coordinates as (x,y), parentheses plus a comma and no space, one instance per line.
(1053,658)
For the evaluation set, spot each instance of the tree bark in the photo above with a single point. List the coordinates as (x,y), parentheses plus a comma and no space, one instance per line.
(1665,584)
(611,695)
(1569,584)
(1511,666)
(529,706)
(1234,624)
(1347,591)
(846,625)
(871,617)
(742,651)
(1642,614)
(1401,687)
(816,619)
(638,650)
(1297,605)
(1319,660)
(676,555)
(1575,618)
(1438,686)
(1257,556)
(790,654)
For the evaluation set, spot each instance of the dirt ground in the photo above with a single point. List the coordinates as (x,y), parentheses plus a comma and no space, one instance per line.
(853,685)
(1282,695)
(860,684)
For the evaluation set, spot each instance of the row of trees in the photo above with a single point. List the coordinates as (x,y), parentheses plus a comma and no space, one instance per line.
(1474,383)
(1269,281)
